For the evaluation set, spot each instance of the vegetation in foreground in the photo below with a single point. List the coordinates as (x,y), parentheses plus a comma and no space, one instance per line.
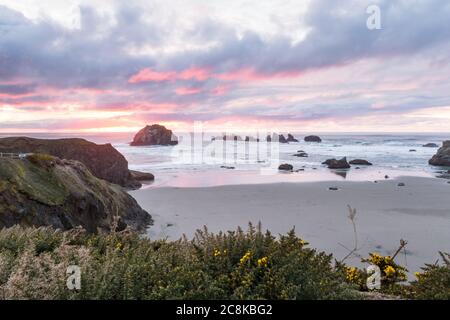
(235,265)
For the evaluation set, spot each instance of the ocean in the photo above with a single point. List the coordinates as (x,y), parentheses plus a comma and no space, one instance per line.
(193,164)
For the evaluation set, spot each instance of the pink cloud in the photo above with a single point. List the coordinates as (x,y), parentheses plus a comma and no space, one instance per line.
(147,75)
(182,91)
(202,74)
(219,90)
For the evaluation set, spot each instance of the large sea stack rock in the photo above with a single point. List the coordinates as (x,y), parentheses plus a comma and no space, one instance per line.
(42,190)
(154,135)
(277,138)
(313,139)
(337,164)
(442,157)
(290,138)
(104,161)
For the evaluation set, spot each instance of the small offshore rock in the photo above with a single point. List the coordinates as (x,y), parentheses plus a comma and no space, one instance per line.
(430,145)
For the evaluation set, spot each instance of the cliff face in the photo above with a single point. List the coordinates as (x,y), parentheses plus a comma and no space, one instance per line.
(42,190)
(442,157)
(104,161)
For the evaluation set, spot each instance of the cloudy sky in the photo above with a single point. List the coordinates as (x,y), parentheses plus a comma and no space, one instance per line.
(313,66)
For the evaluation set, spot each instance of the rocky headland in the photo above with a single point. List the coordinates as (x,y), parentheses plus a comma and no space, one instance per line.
(103,161)
(42,190)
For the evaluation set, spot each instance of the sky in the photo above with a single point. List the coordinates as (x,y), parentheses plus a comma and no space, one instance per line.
(281,65)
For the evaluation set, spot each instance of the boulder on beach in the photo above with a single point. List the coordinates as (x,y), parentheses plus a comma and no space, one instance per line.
(360,162)
(301,155)
(42,190)
(285,167)
(227,167)
(442,157)
(337,164)
(102,160)
(142,176)
(430,145)
(290,138)
(313,139)
(154,135)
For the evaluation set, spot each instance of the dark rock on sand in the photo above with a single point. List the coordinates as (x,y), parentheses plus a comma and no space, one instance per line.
(103,161)
(412,150)
(337,164)
(333,188)
(227,167)
(360,162)
(442,157)
(142,176)
(386,177)
(154,135)
(301,155)
(401,184)
(313,139)
(42,190)
(430,145)
(285,167)
(290,138)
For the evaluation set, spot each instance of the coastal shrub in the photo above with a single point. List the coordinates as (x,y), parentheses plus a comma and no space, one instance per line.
(393,275)
(233,265)
(40,158)
(433,282)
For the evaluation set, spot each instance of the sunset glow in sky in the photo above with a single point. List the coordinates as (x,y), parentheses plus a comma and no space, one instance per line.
(312,66)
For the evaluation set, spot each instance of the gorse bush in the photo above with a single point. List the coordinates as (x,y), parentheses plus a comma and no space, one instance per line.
(392,274)
(433,282)
(234,265)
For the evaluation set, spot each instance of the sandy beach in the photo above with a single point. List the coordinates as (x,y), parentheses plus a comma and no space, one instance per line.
(418,212)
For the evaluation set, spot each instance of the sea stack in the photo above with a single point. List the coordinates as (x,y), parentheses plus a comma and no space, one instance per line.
(154,135)
(291,138)
(313,139)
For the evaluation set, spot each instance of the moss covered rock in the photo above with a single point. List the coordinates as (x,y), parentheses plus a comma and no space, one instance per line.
(43,190)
